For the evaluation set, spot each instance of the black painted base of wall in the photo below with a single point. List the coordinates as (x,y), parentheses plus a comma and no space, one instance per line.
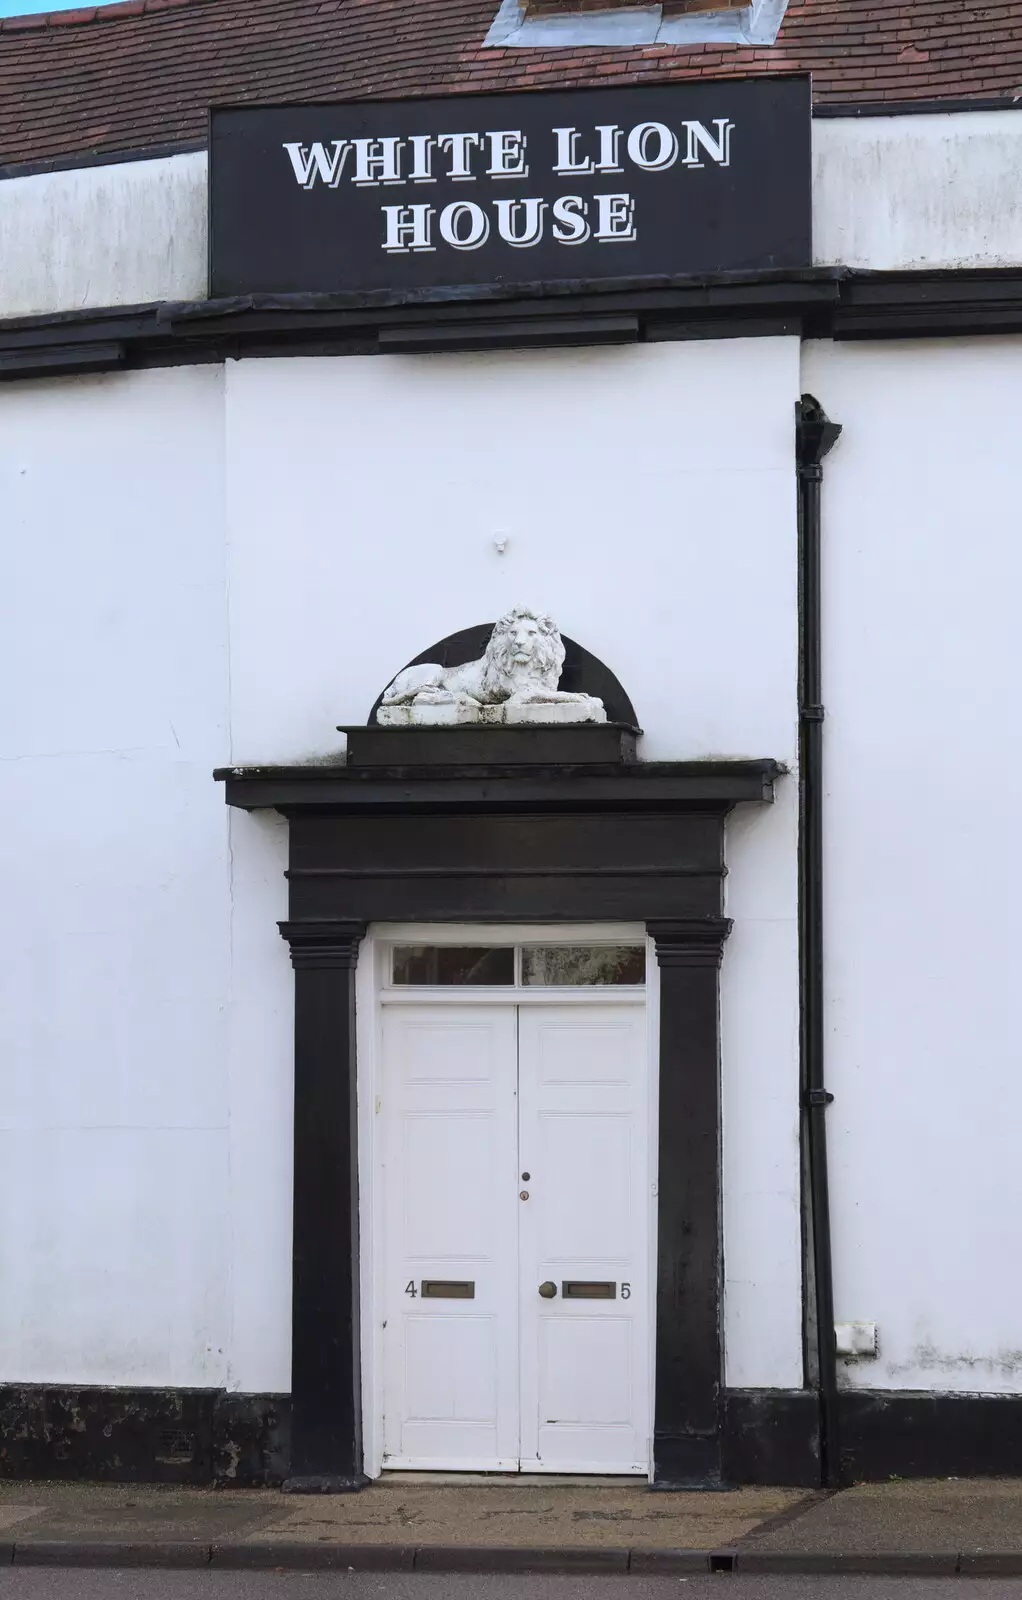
(910,1435)
(768,1436)
(182,1436)
(771,1436)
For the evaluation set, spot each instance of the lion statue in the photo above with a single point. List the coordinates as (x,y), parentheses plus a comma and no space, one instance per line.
(521,667)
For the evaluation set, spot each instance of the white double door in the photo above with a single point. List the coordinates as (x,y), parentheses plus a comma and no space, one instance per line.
(516,1196)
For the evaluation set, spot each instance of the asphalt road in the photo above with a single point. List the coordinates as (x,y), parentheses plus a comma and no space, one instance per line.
(55,1583)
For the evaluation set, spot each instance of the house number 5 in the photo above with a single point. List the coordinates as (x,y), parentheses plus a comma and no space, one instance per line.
(626,1291)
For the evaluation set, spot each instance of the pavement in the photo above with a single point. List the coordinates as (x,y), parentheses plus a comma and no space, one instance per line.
(405,1523)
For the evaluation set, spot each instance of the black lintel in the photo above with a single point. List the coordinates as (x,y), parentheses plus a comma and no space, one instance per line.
(478,745)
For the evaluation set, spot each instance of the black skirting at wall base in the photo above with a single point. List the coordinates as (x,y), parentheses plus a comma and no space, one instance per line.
(182,1436)
(767,1436)
(206,1436)
(686,1461)
(913,1435)
(771,1436)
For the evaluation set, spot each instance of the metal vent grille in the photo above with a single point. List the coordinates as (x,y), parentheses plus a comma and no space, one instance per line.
(175,1446)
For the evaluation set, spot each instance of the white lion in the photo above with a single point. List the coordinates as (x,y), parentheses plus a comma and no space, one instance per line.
(522,666)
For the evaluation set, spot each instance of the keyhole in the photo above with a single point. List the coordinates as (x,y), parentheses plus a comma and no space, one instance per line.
(524,1195)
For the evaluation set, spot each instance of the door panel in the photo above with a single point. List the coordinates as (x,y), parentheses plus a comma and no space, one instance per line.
(449,1185)
(446,1155)
(588,1176)
(583,1138)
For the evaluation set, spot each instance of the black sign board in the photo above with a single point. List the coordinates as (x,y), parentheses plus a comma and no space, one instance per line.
(573,186)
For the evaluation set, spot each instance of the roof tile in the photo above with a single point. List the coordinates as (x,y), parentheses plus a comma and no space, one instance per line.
(141,73)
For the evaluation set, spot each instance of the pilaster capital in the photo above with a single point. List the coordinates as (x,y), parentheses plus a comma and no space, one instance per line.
(327,943)
(690,941)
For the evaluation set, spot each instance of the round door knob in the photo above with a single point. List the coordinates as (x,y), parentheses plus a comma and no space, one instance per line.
(548,1290)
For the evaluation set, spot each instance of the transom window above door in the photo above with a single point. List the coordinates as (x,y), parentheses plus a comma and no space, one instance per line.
(518,965)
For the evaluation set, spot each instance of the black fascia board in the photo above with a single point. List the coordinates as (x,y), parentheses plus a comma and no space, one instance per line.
(43,361)
(831,302)
(766,284)
(852,109)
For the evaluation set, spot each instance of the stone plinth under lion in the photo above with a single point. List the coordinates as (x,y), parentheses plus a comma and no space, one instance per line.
(514,682)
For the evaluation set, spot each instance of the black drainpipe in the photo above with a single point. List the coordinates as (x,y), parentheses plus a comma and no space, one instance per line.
(815,435)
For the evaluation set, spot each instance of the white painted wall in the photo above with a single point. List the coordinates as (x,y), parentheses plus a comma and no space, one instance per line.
(923,569)
(145,1103)
(260,1060)
(332,518)
(888,192)
(204,567)
(364,498)
(120,235)
(114,917)
(939,190)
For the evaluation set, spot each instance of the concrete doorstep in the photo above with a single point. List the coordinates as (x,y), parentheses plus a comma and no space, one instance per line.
(940,1528)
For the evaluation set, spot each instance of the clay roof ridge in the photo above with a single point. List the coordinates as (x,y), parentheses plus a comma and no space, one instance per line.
(83,15)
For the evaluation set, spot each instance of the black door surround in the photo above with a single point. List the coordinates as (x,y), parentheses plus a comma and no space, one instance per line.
(509,841)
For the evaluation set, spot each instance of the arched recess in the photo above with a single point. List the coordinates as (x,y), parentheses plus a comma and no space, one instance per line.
(582,673)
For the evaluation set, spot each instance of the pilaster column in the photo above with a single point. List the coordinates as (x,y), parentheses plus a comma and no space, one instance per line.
(689,1345)
(326,1404)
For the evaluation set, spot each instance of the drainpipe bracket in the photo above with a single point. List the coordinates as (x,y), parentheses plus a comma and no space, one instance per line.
(817,1097)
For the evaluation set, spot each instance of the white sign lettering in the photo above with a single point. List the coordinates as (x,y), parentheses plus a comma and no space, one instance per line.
(314,162)
(466,157)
